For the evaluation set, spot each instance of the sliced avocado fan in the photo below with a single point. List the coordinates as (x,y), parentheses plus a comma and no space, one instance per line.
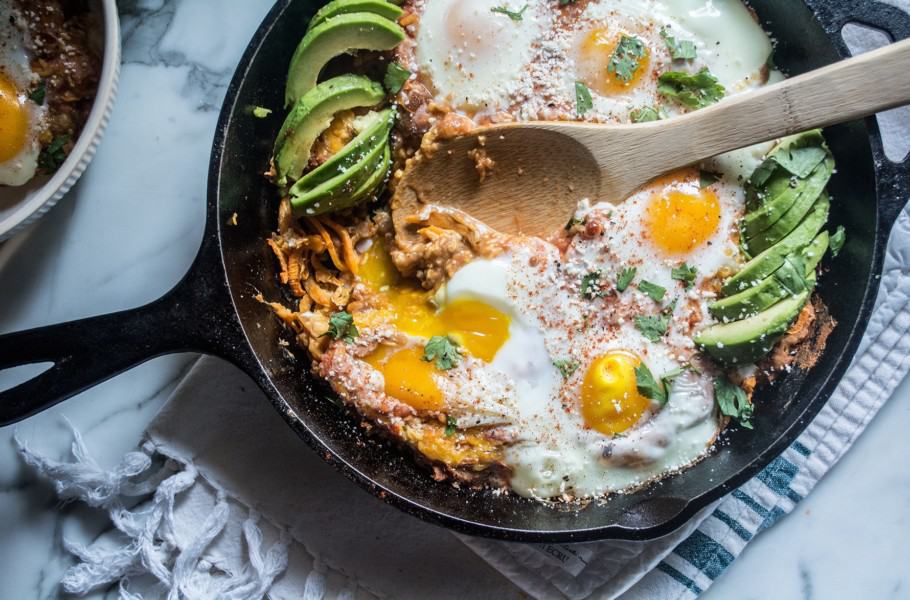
(313,114)
(766,263)
(338,192)
(784,282)
(373,130)
(337,35)
(784,188)
(342,7)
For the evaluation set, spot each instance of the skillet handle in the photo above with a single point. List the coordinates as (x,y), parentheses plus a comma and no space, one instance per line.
(893,178)
(195,315)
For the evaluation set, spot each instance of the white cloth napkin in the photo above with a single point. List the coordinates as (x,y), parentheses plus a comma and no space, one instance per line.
(223,501)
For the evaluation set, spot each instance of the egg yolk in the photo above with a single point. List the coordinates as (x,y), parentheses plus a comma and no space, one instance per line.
(480,329)
(594,54)
(681,216)
(408,377)
(610,401)
(13,120)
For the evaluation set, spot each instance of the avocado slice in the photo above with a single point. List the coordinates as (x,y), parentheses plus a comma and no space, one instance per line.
(338,192)
(372,186)
(746,341)
(809,190)
(343,7)
(313,114)
(774,288)
(754,271)
(374,128)
(334,36)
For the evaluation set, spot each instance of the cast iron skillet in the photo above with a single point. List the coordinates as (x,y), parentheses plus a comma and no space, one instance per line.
(212,309)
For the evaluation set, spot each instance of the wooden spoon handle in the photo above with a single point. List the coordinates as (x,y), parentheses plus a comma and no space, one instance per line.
(841,92)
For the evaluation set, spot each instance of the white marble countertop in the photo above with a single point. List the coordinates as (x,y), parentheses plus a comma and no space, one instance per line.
(130,229)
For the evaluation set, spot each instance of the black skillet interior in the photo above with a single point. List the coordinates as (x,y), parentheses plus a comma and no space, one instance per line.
(783,409)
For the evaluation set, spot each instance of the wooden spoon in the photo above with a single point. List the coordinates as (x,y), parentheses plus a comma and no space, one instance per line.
(542,169)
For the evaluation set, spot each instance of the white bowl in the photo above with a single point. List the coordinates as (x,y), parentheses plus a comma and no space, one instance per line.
(20,206)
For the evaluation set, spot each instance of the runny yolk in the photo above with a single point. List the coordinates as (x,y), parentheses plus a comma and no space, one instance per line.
(407,376)
(13,120)
(610,401)
(594,54)
(480,329)
(681,216)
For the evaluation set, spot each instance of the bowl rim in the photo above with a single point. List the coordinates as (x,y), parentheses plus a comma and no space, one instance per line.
(87,143)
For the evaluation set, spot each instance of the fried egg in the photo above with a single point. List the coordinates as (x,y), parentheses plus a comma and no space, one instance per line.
(475,53)
(21,119)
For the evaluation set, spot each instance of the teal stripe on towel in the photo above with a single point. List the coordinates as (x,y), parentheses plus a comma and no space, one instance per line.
(705,554)
(680,578)
(733,524)
(748,501)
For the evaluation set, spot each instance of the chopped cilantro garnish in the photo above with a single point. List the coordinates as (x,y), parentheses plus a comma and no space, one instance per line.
(566,367)
(733,401)
(54,154)
(679,49)
(451,425)
(566,2)
(626,58)
(260,112)
(573,222)
(652,290)
(707,179)
(442,349)
(583,100)
(395,77)
(694,91)
(653,328)
(624,278)
(684,273)
(514,15)
(590,285)
(341,327)
(837,240)
(644,114)
(648,386)
(38,94)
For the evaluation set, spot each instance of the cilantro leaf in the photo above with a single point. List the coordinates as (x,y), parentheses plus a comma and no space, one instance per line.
(451,425)
(694,91)
(261,112)
(395,77)
(624,278)
(679,49)
(38,94)
(566,367)
(514,15)
(625,60)
(590,285)
(684,273)
(341,327)
(53,155)
(583,100)
(442,349)
(573,222)
(566,2)
(652,290)
(837,240)
(707,179)
(653,328)
(733,401)
(648,386)
(644,114)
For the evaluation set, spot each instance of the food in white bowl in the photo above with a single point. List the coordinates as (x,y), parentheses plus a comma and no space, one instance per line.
(58,68)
